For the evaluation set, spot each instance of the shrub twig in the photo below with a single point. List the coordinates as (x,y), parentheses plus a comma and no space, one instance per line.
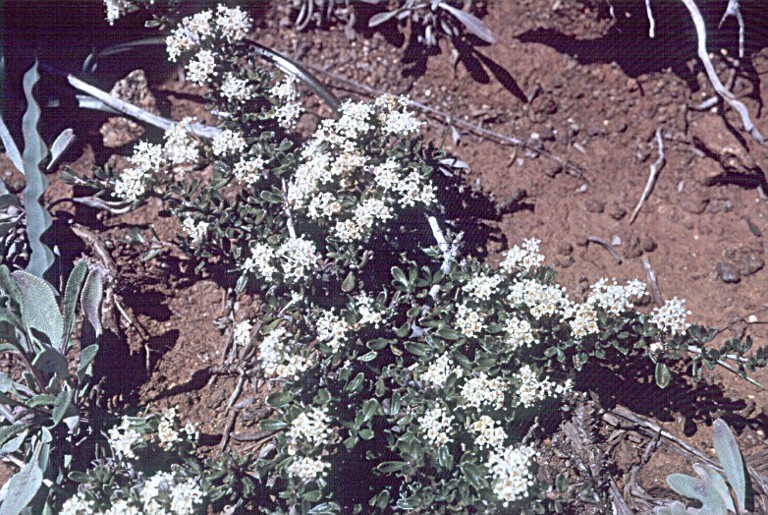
(656,167)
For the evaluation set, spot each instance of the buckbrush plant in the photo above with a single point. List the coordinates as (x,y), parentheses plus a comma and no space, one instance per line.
(398,361)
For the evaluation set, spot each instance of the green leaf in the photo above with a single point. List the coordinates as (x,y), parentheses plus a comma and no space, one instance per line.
(475,475)
(366,434)
(448,334)
(60,145)
(368,356)
(23,487)
(90,299)
(327,508)
(87,355)
(696,489)
(41,399)
(39,309)
(399,276)
(378,343)
(727,449)
(394,406)
(349,283)
(369,409)
(561,482)
(62,405)
(14,444)
(272,425)
(389,467)
(322,397)
(355,384)
(71,293)
(662,375)
(38,219)
(444,457)
(279,399)
(417,349)
(51,361)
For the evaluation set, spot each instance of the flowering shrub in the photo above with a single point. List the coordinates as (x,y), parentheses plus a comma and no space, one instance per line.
(408,374)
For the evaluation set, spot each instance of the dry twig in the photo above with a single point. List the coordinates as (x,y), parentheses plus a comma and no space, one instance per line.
(607,244)
(656,167)
(734,9)
(651,275)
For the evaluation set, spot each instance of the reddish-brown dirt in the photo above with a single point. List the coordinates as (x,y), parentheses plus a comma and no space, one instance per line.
(575,84)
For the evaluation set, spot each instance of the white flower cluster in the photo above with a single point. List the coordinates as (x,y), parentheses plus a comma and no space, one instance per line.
(510,470)
(332,329)
(614,298)
(202,68)
(123,438)
(242,333)
(184,495)
(146,159)
(278,359)
(296,258)
(195,230)
(337,161)
(469,321)
(488,433)
(480,390)
(179,146)
(115,9)
(312,427)
(231,24)
(77,505)
(671,317)
(288,110)
(582,318)
(436,423)
(395,117)
(366,308)
(482,286)
(249,169)
(227,142)
(307,469)
(438,371)
(168,433)
(541,299)
(530,389)
(524,258)
(519,333)
(236,89)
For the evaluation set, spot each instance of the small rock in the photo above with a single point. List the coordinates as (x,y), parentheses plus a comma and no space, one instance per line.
(633,249)
(564,262)
(649,245)
(553,169)
(719,205)
(747,261)
(544,104)
(616,211)
(694,205)
(728,273)
(616,240)
(564,248)
(594,205)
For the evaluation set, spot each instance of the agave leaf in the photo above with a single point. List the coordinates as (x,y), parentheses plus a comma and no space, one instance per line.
(11,150)
(38,219)
(730,458)
(693,488)
(471,22)
(378,19)
(23,486)
(39,309)
(711,477)
(71,293)
(88,102)
(60,145)
(90,299)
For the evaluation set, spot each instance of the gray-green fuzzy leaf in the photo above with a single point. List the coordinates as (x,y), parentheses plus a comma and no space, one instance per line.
(471,22)
(23,487)
(90,300)
(730,458)
(71,293)
(62,405)
(39,309)
(697,489)
(38,219)
(11,150)
(60,145)
(87,356)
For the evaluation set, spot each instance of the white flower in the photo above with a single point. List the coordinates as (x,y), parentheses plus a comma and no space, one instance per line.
(541,299)
(396,120)
(354,119)
(123,438)
(307,469)
(242,333)
(332,329)
(199,25)
(184,496)
(519,333)
(613,298)
(288,110)
(233,22)
(147,156)
(202,67)
(115,9)
(480,390)
(151,490)
(323,205)
(412,189)
(583,319)
(77,505)
(261,258)
(524,258)
(311,427)
(235,89)
(385,174)
(369,313)
(227,142)
(248,170)
(671,317)
(481,287)
(531,390)
(438,371)
(195,230)
(510,470)
(488,433)
(122,507)
(469,321)
(277,359)
(130,184)
(166,430)
(180,147)
(436,423)
(178,42)
(298,257)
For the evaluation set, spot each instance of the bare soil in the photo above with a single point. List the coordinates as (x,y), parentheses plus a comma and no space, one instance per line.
(572,83)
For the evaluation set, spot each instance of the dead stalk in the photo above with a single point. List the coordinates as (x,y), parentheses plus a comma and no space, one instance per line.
(607,245)
(656,167)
